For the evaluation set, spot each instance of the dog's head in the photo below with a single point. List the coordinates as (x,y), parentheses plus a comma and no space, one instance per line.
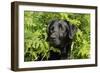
(60,32)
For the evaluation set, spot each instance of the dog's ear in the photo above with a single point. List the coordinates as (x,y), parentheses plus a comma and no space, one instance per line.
(72,31)
(49,24)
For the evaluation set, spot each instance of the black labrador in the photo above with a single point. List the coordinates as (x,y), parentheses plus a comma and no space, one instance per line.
(60,35)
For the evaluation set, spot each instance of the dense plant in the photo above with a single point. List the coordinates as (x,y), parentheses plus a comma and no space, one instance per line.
(35,34)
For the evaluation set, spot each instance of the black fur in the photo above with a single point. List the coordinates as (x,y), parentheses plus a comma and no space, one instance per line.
(60,35)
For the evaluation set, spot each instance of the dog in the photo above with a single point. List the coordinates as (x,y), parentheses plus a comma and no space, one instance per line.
(60,35)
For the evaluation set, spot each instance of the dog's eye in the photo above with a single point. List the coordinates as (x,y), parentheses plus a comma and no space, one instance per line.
(52,28)
(60,25)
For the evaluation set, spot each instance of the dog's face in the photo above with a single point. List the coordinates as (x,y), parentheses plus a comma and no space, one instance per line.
(59,32)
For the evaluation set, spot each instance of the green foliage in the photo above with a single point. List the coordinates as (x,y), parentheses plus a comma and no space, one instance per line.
(35,34)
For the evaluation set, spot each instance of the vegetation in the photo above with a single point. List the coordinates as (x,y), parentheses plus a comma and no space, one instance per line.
(35,34)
